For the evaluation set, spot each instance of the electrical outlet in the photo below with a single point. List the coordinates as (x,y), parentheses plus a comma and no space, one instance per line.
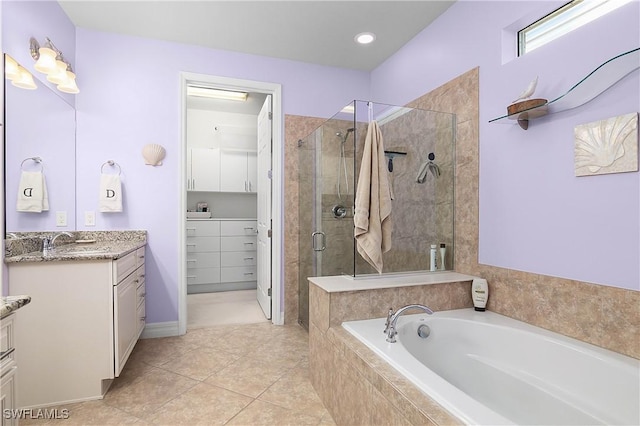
(90,218)
(61,218)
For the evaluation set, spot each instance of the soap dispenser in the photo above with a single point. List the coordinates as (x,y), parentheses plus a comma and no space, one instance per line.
(479,294)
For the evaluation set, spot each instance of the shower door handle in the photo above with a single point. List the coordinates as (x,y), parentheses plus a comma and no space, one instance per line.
(314,239)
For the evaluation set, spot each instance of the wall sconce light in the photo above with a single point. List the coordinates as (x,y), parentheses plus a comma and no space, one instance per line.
(17,74)
(50,61)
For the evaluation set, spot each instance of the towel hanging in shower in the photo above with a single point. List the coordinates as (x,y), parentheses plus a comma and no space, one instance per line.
(372,216)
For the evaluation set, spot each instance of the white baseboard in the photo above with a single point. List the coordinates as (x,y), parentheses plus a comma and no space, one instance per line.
(160,329)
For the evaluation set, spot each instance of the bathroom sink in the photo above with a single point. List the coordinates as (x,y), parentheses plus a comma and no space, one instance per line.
(74,250)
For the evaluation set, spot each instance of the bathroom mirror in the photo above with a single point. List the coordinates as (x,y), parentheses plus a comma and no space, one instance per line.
(39,123)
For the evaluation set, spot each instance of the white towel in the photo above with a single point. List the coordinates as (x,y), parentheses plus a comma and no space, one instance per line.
(372,216)
(110,193)
(32,193)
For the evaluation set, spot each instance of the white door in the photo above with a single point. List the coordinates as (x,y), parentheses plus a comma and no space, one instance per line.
(264,207)
(205,169)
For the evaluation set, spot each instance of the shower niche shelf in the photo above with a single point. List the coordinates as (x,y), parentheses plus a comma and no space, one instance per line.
(596,82)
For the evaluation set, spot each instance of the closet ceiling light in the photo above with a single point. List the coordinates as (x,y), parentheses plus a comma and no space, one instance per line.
(365,38)
(207,92)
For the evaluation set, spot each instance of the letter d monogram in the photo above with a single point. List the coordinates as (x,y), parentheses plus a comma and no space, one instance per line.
(111,193)
(28,192)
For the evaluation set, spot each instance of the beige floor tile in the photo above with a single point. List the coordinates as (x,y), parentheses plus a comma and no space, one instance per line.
(82,413)
(295,392)
(200,363)
(203,404)
(248,376)
(263,413)
(148,393)
(158,351)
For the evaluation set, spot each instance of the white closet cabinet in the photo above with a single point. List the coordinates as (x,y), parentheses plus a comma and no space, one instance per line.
(83,321)
(203,169)
(238,171)
(238,246)
(203,255)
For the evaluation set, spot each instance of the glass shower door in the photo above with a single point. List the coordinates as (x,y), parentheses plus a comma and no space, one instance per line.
(325,206)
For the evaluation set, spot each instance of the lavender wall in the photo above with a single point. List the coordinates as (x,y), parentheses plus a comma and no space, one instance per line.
(535,215)
(130,97)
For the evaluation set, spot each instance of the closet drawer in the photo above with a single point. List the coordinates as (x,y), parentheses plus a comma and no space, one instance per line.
(238,258)
(238,243)
(203,260)
(203,244)
(203,228)
(240,273)
(203,276)
(238,227)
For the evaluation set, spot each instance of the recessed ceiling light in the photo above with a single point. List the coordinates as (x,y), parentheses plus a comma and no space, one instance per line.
(365,38)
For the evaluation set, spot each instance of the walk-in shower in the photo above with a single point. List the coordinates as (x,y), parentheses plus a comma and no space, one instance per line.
(417,143)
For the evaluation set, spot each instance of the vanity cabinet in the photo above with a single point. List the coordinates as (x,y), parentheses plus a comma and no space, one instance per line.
(238,171)
(8,369)
(83,322)
(221,255)
(203,169)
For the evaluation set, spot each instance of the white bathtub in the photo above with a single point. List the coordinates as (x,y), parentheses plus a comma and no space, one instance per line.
(489,369)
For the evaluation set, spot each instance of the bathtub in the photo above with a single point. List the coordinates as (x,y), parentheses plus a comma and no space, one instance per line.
(489,369)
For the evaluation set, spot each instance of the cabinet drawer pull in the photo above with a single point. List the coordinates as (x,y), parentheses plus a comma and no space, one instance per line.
(248,258)
(191,276)
(143,318)
(249,227)
(248,273)
(136,281)
(192,244)
(142,276)
(248,243)
(191,229)
(6,353)
(143,295)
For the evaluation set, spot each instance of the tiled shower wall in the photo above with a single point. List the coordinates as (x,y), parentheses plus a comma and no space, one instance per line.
(605,316)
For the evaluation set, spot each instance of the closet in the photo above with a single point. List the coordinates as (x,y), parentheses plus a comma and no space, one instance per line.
(221,241)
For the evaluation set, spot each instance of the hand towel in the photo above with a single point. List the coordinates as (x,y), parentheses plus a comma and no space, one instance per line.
(372,216)
(110,193)
(32,193)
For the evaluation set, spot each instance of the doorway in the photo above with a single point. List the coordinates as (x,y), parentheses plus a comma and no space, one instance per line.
(232,243)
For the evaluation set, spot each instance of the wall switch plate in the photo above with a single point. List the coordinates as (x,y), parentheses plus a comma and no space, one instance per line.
(90,218)
(61,218)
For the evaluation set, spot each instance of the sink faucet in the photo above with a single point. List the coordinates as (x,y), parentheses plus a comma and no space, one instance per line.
(392,318)
(48,243)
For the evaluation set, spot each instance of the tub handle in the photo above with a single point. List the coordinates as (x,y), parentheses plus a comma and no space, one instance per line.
(313,241)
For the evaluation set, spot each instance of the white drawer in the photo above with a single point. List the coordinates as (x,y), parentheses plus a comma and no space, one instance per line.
(238,227)
(238,258)
(203,244)
(203,260)
(140,256)
(124,266)
(240,273)
(203,228)
(238,243)
(203,276)
(141,294)
(140,272)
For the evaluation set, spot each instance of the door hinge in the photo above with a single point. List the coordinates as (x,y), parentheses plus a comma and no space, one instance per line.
(269,233)
(270,115)
(270,174)
(269,292)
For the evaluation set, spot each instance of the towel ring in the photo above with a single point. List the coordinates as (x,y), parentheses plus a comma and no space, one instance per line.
(37,160)
(112,164)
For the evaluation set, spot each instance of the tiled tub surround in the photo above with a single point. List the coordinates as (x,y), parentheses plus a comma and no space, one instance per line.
(108,245)
(356,385)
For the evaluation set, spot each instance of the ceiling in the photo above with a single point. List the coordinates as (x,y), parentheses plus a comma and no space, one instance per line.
(318,32)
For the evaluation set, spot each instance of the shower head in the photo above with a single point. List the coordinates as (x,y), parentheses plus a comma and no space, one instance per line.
(349,130)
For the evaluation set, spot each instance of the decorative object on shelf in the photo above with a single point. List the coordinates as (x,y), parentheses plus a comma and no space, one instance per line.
(596,82)
(607,146)
(50,61)
(153,154)
(17,74)
(529,91)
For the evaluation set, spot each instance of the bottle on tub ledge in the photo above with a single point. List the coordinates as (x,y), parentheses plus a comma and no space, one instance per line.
(479,294)
(432,255)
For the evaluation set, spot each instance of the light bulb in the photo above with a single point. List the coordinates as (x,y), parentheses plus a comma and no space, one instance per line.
(70,85)
(11,70)
(46,63)
(24,80)
(59,76)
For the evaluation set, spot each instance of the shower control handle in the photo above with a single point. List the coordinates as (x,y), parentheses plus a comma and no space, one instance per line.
(314,239)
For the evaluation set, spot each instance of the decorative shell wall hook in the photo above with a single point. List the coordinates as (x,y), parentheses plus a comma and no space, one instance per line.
(153,154)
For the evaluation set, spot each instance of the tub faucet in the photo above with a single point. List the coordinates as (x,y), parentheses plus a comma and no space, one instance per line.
(392,318)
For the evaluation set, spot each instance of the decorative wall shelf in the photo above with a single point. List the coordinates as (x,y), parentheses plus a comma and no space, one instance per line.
(596,82)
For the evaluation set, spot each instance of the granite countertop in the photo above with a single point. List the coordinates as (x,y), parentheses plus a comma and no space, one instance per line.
(10,304)
(101,250)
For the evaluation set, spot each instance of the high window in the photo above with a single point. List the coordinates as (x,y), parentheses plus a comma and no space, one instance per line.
(563,20)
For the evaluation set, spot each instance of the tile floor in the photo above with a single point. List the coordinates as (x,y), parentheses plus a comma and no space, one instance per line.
(246,374)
